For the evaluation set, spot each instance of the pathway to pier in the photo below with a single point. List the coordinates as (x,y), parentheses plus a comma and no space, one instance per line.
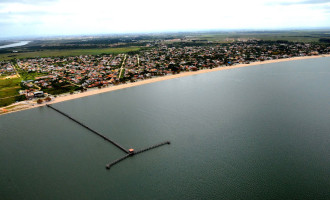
(122,67)
(128,153)
(83,125)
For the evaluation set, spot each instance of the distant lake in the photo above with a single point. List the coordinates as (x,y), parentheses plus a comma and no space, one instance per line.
(259,132)
(17,44)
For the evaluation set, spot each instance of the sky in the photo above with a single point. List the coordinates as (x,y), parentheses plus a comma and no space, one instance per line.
(24,18)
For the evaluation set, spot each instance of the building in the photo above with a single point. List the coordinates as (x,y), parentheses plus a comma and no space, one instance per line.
(38,94)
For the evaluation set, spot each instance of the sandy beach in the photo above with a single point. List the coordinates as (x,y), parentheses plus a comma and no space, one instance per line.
(66,97)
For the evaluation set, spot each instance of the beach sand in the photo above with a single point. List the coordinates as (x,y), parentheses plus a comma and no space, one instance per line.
(32,104)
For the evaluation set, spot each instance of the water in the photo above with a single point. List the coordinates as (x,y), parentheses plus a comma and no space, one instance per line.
(260,132)
(17,44)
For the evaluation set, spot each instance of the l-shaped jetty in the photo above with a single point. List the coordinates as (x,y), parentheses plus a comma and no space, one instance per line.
(129,152)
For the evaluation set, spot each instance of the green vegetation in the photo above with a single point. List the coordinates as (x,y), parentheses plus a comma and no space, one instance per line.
(29,75)
(65,52)
(9,87)
(9,91)
(292,36)
(325,40)
(59,88)
(122,74)
(7,101)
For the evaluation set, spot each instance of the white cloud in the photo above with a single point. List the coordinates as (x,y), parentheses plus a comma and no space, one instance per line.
(108,16)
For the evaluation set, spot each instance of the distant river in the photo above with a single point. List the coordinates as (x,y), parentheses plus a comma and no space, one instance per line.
(260,132)
(17,44)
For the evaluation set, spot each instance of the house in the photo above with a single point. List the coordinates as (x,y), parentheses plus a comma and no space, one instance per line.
(38,94)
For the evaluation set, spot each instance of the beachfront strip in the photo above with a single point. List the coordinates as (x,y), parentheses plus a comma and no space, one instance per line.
(67,74)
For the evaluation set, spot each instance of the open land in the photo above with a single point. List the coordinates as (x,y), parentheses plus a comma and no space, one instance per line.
(93,45)
(70,52)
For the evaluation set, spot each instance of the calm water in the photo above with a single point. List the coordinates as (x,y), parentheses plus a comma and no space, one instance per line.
(260,132)
(17,44)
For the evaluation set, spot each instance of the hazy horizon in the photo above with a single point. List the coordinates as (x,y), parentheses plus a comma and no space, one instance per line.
(51,18)
(32,37)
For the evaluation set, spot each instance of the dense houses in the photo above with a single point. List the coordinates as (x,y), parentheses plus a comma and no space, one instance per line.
(6,68)
(89,71)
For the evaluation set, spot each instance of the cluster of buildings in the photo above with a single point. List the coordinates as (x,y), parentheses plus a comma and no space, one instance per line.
(83,71)
(164,60)
(32,93)
(6,68)
(88,71)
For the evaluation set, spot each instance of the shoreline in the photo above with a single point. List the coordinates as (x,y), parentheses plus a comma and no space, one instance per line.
(25,105)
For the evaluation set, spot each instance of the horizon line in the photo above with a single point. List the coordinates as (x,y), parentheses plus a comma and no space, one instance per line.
(45,36)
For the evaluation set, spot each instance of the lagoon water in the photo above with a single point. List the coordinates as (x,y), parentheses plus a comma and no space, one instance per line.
(260,132)
(17,44)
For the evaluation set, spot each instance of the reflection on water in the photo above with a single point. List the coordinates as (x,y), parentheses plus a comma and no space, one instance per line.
(22,43)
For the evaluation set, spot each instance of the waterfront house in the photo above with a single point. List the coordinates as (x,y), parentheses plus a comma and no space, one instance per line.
(38,94)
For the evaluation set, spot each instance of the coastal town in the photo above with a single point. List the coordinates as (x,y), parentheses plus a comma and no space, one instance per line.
(46,78)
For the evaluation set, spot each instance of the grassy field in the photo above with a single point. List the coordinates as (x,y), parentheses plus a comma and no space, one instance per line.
(9,88)
(7,92)
(293,36)
(29,75)
(6,84)
(73,52)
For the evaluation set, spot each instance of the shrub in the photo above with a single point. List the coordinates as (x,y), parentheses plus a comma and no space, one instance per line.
(48,99)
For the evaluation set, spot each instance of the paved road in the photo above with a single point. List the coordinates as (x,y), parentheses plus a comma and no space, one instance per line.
(138,60)
(18,75)
(122,67)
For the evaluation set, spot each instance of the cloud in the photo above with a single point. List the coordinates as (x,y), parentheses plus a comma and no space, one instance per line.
(45,17)
(26,1)
(25,13)
(304,2)
(327,8)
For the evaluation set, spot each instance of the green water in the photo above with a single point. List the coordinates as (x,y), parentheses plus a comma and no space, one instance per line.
(261,132)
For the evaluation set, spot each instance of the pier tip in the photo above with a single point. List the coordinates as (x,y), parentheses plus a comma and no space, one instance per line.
(131,151)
